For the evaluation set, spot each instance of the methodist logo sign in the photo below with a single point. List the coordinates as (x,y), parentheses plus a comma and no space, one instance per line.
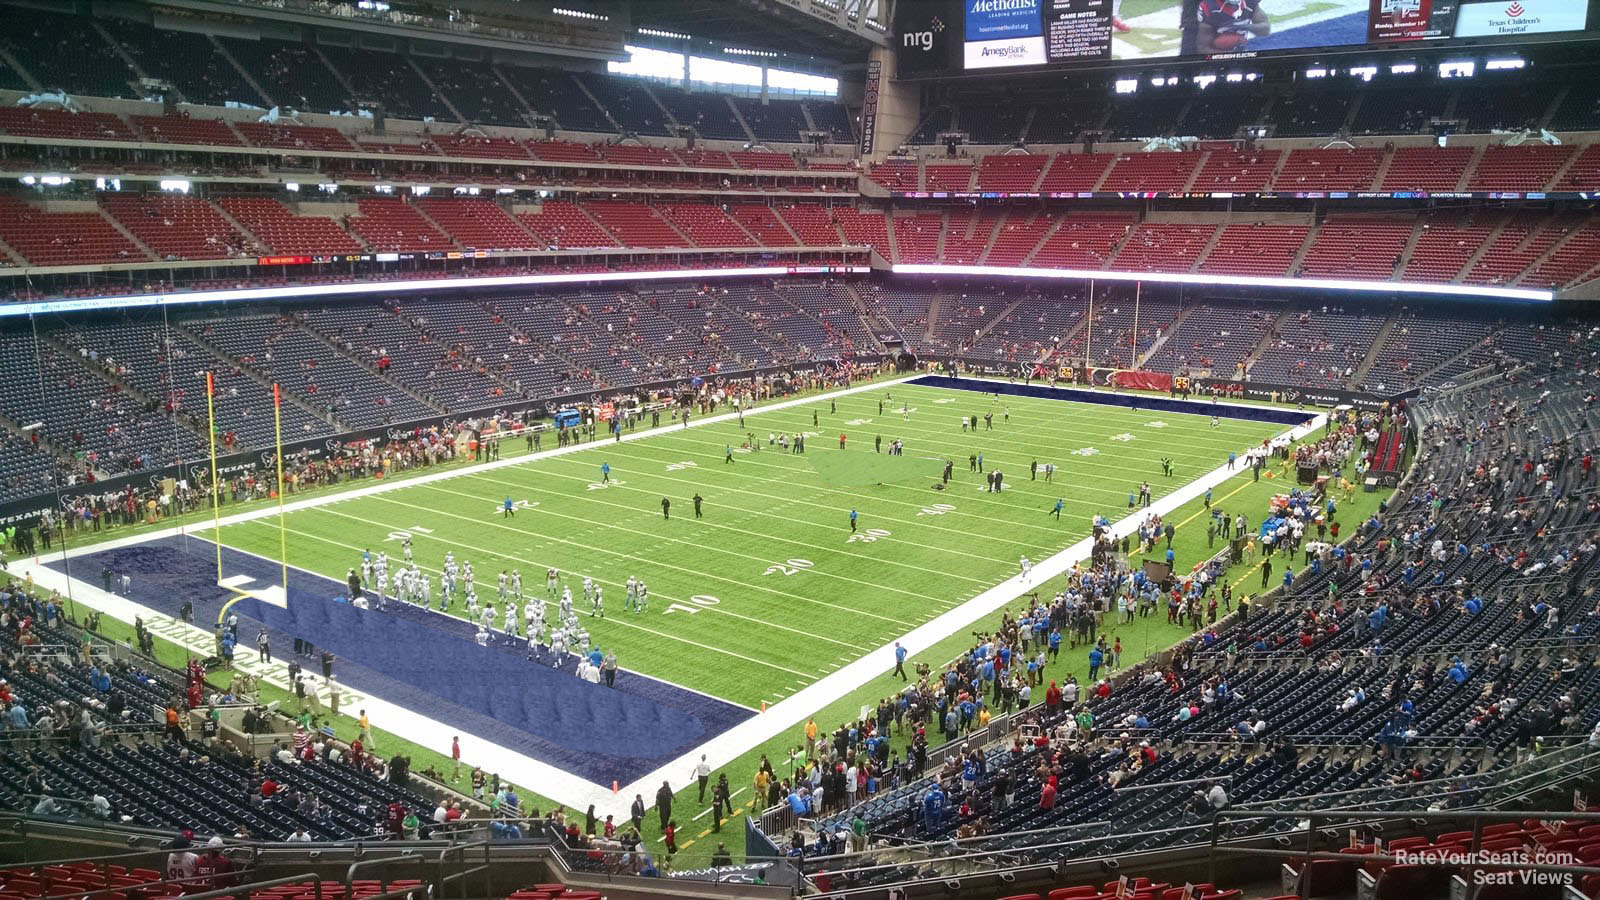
(989,20)
(1003,33)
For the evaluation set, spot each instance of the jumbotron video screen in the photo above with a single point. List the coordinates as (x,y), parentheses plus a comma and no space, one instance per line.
(969,35)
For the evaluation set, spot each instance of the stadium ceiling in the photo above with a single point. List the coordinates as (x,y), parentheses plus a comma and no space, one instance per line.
(838,30)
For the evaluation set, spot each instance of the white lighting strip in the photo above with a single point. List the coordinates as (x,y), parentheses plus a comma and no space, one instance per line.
(1331,284)
(82,304)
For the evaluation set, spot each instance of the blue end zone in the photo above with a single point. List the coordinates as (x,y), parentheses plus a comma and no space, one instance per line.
(1130,401)
(428,662)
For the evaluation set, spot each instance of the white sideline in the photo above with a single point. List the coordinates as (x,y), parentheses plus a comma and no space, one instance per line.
(571,790)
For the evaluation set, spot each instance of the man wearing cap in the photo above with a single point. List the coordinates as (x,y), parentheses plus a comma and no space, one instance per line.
(214,867)
(181,862)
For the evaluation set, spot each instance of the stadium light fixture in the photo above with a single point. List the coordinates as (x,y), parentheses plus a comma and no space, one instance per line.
(1204,81)
(328,187)
(1460,68)
(663,33)
(1207,280)
(1317,72)
(1406,68)
(1234,77)
(1365,73)
(174,185)
(579,14)
(1505,65)
(292,186)
(1127,85)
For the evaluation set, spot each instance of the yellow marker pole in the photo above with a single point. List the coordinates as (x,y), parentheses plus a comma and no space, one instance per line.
(283,536)
(1133,358)
(216,510)
(1088,341)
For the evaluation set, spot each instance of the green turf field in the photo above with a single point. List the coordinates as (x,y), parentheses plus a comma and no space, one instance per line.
(770,590)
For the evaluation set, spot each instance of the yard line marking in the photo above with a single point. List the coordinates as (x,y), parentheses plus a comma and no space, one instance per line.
(981,498)
(702,523)
(759,561)
(706,575)
(533,596)
(752,460)
(532,562)
(1105,414)
(678,477)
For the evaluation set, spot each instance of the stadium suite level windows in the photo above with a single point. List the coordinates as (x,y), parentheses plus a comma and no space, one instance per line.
(724,75)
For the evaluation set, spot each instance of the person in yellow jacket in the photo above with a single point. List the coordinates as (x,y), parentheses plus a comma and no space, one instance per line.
(811,738)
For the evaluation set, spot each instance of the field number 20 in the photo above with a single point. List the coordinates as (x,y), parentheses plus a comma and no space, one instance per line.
(789,567)
(699,601)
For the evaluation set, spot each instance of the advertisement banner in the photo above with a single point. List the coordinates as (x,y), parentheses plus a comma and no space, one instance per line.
(1266,392)
(1004,33)
(923,45)
(993,20)
(1514,18)
(869,106)
(1027,51)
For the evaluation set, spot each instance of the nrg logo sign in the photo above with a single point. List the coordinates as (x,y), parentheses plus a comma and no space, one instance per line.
(922,40)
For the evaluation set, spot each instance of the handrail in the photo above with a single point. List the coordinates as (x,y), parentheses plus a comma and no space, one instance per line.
(350,873)
(958,842)
(441,879)
(246,889)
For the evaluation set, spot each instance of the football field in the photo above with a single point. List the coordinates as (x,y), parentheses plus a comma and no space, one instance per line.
(770,589)
(765,610)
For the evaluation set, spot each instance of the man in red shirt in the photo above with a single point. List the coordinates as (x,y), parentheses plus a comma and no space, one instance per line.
(1047,794)
(214,867)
